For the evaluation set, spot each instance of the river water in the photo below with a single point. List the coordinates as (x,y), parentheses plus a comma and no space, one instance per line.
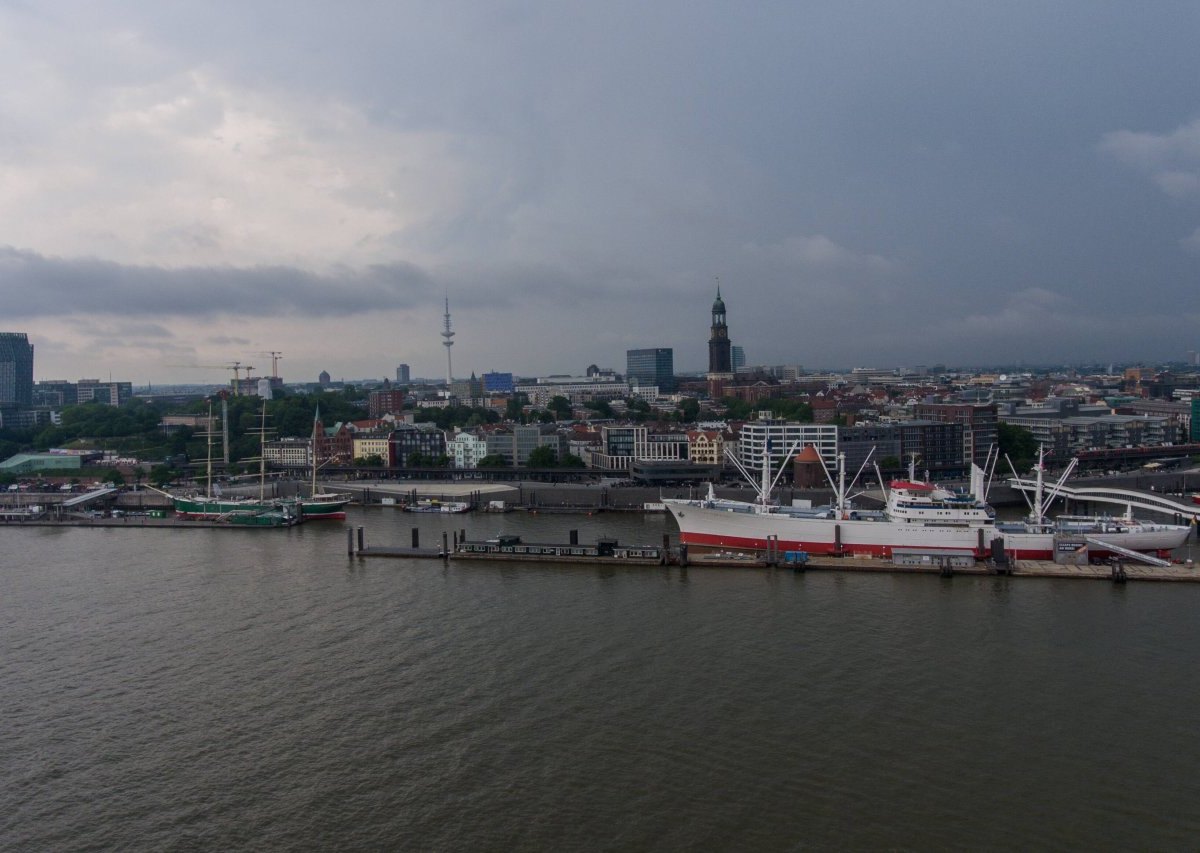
(251,690)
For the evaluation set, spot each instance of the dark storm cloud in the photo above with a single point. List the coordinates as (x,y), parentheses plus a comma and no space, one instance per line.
(874,182)
(32,285)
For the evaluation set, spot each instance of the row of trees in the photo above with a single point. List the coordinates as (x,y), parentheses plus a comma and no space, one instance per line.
(134,427)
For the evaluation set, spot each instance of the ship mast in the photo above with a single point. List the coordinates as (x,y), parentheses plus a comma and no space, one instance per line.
(208,465)
(1038,509)
(841,489)
(765,489)
(316,420)
(262,455)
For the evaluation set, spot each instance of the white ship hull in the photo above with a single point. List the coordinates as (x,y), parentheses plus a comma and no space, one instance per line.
(720,528)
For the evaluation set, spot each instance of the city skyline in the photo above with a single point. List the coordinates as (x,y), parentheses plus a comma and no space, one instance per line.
(873,184)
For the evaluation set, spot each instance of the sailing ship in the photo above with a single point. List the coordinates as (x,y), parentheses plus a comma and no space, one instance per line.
(321,504)
(262,511)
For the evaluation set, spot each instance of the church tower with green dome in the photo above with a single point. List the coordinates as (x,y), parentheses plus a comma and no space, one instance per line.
(720,354)
(720,350)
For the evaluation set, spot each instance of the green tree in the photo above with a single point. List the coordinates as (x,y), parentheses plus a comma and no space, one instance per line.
(493,460)
(688,410)
(1018,443)
(542,457)
(160,475)
(560,406)
(514,410)
(115,477)
(570,460)
(638,410)
(600,407)
(737,410)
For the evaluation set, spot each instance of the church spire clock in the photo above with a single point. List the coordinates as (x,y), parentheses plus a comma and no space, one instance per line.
(720,358)
(720,350)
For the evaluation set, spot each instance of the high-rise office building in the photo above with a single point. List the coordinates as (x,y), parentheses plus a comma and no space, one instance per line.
(498,383)
(651,367)
(402,375)
(737,358)
(16,369)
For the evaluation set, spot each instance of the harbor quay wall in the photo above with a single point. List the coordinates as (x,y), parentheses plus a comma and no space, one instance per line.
(587,496)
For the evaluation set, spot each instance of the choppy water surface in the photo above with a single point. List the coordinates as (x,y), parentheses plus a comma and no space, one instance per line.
(261,690)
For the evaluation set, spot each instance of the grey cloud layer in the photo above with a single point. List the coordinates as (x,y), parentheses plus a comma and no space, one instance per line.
(35,286)
(873,182)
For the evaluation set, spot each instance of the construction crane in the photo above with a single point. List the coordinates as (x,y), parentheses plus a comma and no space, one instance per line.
(275,356)
(235,366)
(237,384)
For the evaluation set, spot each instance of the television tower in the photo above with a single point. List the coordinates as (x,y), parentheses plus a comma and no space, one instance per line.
(447,343)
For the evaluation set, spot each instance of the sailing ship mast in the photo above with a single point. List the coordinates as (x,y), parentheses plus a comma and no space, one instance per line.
(208,466)
(262,455)
(316,420)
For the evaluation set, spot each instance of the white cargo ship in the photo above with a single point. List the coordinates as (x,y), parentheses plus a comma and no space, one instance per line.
(917,515)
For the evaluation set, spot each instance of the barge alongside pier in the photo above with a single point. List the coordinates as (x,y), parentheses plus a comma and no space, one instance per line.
(512,548)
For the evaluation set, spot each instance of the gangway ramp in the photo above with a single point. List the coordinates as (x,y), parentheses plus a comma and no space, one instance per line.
(87,497)
(1125,552)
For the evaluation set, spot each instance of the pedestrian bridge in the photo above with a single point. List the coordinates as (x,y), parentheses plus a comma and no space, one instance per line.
(87,497)
(1149,501)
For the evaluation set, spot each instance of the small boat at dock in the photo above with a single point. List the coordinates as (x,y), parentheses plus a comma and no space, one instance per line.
(433,505)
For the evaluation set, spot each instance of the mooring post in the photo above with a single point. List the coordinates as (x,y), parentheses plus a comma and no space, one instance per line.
(574,536)
(445,550)
(683,555)
(455,539)
(416,537)
(462,535)
(350,541)
(360,538)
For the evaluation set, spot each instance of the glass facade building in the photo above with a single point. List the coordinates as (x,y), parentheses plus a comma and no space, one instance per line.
(16,369)
(651,367)
(498,383)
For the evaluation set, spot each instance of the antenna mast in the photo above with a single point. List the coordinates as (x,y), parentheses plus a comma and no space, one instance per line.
(447,343)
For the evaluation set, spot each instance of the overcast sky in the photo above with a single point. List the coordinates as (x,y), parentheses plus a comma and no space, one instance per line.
(874,183)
